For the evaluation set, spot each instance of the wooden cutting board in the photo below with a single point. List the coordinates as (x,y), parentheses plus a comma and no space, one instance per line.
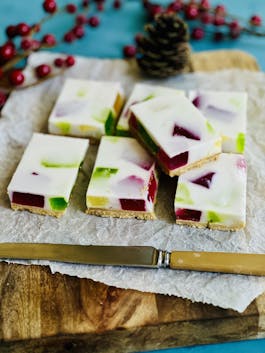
(45,313)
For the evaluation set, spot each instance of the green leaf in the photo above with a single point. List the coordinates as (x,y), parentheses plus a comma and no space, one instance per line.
(240,142)
(58,203)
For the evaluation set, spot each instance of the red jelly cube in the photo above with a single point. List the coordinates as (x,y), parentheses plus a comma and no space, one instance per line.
(152,187)
(205,180)
(188,215)
(132,204)
(27,199)
(175,162)
(181,131)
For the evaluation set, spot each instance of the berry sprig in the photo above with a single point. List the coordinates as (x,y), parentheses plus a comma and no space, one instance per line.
(206,19)
(21,42)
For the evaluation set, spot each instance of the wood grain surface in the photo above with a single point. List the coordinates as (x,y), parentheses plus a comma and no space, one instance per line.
(42,312)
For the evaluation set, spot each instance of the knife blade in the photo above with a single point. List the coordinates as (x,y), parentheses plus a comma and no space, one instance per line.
(137,256)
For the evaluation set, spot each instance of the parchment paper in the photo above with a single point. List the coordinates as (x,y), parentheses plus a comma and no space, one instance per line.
(27,111)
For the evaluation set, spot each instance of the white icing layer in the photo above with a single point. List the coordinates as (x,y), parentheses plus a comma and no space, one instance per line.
(122,170)
(49,167)
(142,92)
(84,107)
(227,112)
(217,190)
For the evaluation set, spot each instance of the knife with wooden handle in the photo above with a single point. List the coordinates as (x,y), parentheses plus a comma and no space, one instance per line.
(137,256)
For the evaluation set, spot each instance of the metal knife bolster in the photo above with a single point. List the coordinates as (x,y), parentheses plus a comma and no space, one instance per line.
(163,259)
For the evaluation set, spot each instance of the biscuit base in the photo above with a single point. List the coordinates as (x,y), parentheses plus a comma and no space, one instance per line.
(211,225)
(102,212)
(37,210)
(184,169)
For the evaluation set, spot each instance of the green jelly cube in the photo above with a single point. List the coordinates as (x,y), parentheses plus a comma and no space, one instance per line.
(147,139)
(110,123)
(183,194)
(51,164)
(64,127)
(101,172)
(213,217)
(122,133)
(58,203)
(240,142)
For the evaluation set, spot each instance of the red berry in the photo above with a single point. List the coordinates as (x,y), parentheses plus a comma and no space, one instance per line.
(191,12)
(255,20)
(235,29)
(49,40)
(23,29)
(234,24)
(205,5)
(26,44)
(197,33)
(80,19)
(11,31)
(43,70)
(218,36)
(175,6)
(220,10)
(235,33)
(138,38)
(206,18)
(35,44)
(71,8)
(3,98)
(7,51)
(69,37)
(100,6)
(16,77)
(154,10)
(59,62)
(93,21)
(219,21)
(117,4)
(129,51)
(70,61)
(79,31)
(49,6)
(85,3)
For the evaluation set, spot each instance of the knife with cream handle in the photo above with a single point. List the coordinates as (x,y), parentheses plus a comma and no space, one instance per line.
(137,256)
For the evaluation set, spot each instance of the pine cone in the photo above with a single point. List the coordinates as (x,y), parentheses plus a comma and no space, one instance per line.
(165,50)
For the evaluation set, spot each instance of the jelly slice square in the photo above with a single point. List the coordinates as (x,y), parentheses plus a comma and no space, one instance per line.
(124,180)
(86,109)
(175,133)
(141,93)
(46,174)
(213,195)
(227,112)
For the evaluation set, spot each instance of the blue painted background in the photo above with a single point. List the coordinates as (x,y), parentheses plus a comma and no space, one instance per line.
(118,29)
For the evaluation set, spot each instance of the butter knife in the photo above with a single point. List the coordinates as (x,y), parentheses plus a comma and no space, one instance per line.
(137,256)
